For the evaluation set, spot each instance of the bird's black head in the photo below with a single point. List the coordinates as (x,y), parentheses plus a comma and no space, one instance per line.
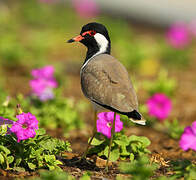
(95,37)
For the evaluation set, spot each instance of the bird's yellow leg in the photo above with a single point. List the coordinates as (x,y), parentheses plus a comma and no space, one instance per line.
(111,139)
(94,132)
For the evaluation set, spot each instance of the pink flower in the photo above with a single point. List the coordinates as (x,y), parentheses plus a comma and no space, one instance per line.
(188,138)
(47,94)
(159,106)
(46,72)
(43,83)
(4,121)
(85,8)
(104,123)
(25,127)
(178,35)
(40,85)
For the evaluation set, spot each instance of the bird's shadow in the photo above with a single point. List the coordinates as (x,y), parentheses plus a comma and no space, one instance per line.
(83,164)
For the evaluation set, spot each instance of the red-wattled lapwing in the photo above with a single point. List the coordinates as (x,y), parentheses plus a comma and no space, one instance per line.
(104,80)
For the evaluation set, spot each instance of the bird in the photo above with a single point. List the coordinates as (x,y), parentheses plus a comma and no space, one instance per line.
(104,80)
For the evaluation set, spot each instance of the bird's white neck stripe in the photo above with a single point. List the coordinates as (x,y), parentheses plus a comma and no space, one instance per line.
(103,45)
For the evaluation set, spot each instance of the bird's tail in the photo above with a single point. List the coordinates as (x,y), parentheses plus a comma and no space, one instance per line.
(137,121)
(137,118)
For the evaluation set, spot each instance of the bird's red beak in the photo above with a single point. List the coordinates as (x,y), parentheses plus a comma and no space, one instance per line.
(76,39)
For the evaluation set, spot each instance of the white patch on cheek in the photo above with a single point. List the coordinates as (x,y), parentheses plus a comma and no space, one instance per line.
(102,43)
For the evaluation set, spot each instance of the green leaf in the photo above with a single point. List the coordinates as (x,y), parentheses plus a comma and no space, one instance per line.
(96,142)
(86,176)
(48,144)
(124,151)
(55,175)
(114,155)
(57,162)
(123,158)
(40,131)
(4,149)
(131,157)
(10,159)
(19,169)
(50,167)
(133,138)
(122,141)
(134,148)
(50,158)
(3,130)
(147,151)
(31,166)
(101,153)
(2,160)
(105,152)
(17,161)
(145,141)
(139,169)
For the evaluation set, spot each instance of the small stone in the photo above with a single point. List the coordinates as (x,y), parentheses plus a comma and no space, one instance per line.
(101,162)
(70,155)
(78,170)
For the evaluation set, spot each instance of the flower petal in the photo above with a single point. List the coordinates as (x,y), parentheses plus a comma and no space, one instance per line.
(188,141)
(102,123)
(28,120)
(159,106)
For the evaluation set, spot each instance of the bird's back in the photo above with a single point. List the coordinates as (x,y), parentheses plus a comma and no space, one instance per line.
(105,81)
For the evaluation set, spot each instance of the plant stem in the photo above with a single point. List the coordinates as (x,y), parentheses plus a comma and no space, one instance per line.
(111,139)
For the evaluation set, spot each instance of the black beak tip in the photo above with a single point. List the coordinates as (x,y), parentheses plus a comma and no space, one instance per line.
(70,41)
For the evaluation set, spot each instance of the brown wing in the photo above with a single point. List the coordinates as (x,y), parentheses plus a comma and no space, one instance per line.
(106,81)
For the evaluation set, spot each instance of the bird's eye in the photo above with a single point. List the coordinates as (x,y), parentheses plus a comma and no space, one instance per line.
(91,33)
